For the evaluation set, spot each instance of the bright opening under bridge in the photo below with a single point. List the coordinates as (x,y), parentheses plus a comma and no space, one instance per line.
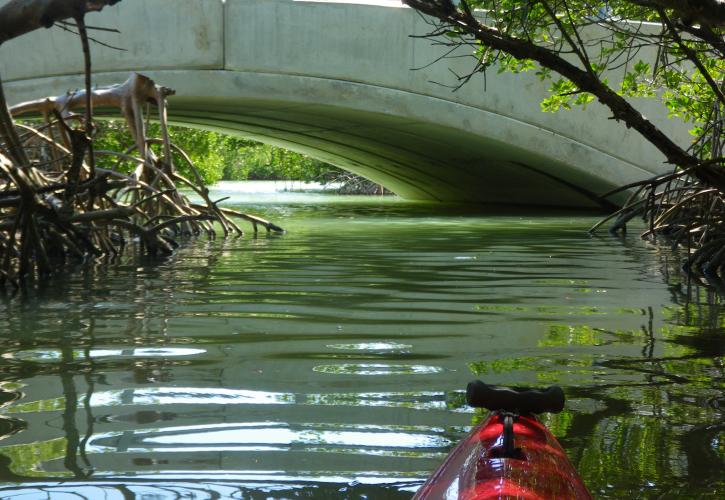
(343,81)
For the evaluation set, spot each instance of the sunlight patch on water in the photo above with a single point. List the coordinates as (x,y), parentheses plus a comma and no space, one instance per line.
(186,395)
(371,346)
(257,436)
(51,355)
(378,369)
(216,396)
(223,485)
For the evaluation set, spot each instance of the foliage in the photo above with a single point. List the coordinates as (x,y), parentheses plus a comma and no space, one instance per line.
(220,156)
(647,47)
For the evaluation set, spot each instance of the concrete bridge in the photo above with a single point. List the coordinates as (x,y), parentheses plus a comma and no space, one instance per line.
(336,80)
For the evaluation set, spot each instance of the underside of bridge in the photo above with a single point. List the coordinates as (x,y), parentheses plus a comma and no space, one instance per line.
(420,161)
(420,147)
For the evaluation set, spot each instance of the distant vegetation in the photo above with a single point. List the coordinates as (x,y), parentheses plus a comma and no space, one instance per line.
(219,156)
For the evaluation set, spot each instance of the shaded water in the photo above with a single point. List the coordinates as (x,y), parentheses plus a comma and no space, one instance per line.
(329,362)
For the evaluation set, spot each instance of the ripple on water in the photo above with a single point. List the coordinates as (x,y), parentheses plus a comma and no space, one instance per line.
(391,440)
(391,295)
(378,369)
(225,485)
(163,396)
(371,346)
(52,355)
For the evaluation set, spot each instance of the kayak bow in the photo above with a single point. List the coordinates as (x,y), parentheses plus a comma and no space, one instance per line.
(509,455)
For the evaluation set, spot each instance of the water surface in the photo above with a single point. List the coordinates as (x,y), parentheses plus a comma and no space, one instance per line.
(330,361)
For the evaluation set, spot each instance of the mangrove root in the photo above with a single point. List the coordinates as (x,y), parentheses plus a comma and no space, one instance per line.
(55,205)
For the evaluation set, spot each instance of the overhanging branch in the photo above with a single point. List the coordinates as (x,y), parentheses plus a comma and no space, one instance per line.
(18,17)
(621,109)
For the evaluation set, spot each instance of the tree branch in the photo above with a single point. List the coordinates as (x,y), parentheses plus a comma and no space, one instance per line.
(18,17)
(587,82)
(691,55)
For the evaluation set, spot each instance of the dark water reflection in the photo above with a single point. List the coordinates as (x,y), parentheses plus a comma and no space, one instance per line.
(329,362)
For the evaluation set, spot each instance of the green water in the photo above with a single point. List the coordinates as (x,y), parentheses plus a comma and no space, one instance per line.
(330,362)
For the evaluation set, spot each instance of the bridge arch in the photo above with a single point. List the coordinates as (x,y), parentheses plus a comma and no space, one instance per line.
(336,80)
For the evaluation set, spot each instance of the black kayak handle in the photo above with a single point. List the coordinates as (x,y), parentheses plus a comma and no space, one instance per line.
(515,399)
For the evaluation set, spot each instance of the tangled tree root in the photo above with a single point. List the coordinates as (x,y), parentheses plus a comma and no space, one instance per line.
(684,212)
(56,205)
(354,184)
(686,208)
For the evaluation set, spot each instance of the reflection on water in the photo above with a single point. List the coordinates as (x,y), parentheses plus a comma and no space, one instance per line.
(330,362)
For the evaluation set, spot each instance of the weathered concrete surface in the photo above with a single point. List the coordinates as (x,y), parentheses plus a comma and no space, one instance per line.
(336,80)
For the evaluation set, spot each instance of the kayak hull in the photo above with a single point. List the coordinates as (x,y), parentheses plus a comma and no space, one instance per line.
(475,469)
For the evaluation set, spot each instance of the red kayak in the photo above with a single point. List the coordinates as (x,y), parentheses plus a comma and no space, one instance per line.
(510,455)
